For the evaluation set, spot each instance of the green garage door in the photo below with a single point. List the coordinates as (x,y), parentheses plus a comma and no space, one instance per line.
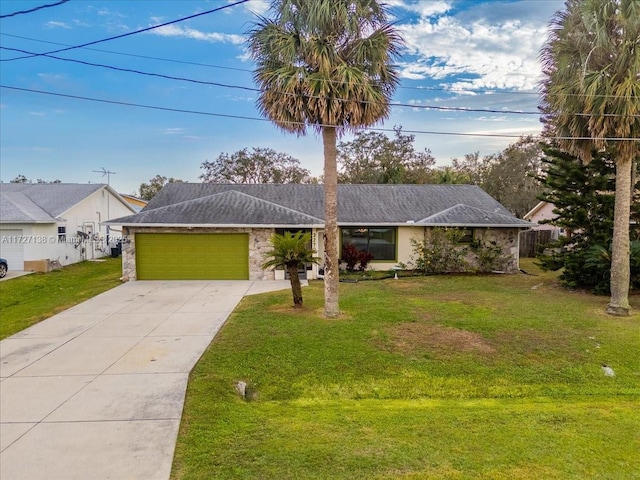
(192,256)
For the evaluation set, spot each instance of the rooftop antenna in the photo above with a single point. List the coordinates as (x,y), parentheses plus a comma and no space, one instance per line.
(106,172)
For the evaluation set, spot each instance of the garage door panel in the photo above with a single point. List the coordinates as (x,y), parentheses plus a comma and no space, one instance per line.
(177,256)
(12,248)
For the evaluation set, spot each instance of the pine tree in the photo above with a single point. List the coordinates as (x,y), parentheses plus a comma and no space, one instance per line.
(583,196)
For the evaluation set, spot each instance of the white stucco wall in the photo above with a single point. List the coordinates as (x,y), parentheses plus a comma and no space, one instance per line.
(41,241)
(544,212)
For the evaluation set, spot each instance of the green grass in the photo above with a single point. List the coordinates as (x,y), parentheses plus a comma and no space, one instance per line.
(32,298)
(452,377)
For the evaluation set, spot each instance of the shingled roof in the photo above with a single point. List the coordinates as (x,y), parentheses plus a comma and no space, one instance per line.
(205,204)
(41,202)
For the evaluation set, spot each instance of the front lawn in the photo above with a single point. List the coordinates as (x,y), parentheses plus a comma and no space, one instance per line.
(29,299)
(450,377)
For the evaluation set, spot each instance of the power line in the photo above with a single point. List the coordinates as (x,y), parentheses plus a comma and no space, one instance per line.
(247,70)
(242,117)
(257,90)
(148,57)
(139,72)
(35,9)
(130,33)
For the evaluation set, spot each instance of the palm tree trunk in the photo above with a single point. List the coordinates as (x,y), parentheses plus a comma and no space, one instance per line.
(620,273)
(329,140)
(296,288)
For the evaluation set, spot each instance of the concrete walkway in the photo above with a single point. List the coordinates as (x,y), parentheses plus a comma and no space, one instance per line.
(97,391)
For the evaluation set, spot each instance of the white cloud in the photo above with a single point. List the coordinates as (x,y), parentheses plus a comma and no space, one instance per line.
(51,77)
(257,6)
(105,12)
(423,8)
(54,24)
(173,131)
(186,32)
(478,48)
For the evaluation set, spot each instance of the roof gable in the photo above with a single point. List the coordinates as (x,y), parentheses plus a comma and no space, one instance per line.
(228,208)
(461,215)
(15,207)
(38,202)
(53,198)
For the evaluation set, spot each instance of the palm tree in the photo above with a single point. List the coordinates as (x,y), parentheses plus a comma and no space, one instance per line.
(591,98)
(325,64)
(291,251)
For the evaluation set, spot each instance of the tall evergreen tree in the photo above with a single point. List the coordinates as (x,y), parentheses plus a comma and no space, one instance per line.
(583,196)
(591,98)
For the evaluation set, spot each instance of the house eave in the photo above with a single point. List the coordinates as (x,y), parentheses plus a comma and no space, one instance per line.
(28,222)
(475,225)
(212,225)
(315,225)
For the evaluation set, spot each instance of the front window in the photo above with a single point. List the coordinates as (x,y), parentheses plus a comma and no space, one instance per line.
(379,242)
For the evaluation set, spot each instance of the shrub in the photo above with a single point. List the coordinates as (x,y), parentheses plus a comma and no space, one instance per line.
(488,255)
(440,253)
(354,258)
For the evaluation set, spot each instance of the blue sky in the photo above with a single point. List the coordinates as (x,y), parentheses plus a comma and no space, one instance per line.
(470,54)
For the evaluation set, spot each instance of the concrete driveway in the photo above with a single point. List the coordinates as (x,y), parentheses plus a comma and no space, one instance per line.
(96,392)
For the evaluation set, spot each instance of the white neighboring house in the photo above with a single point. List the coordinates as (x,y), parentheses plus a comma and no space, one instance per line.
(46,225)
(544,211)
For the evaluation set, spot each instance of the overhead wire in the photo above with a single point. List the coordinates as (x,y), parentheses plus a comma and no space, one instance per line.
(128,34)
(257,90)
(246,70)
(243,117)
(34,9)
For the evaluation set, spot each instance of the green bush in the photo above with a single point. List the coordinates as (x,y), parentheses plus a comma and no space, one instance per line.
(440,253)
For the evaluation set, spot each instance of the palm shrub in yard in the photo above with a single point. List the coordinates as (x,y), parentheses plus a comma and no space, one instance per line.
(291,250)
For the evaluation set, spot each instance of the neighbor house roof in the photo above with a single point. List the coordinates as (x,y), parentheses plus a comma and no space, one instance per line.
(43,202)
(204,204)
(535,210)
(137,203)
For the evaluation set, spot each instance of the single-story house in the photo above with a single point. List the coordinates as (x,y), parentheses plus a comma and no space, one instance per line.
(222,231)
(544,211)
(46,225)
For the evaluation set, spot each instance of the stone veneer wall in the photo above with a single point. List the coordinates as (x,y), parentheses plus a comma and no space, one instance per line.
(258,246)
(508,239)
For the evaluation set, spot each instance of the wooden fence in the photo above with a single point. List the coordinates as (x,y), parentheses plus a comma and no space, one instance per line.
(530,240)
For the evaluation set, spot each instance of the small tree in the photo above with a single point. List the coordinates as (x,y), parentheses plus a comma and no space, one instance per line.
(291,251)
(151,189)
